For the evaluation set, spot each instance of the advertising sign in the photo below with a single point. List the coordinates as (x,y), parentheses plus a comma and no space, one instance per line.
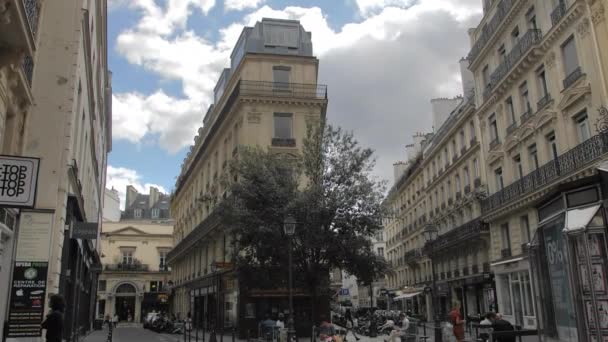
(28,291)
(34,236)
(18,181)
(85,230)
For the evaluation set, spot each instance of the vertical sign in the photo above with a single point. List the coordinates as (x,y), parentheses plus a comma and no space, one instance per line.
(28,291)
(34,239)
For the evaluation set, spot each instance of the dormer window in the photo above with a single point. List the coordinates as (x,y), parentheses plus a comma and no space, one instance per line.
(137,213)
(155,213)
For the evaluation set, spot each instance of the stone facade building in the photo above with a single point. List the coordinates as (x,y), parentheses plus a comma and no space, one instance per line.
(267,98)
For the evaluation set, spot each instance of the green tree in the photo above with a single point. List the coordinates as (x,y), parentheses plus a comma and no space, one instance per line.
(329,190)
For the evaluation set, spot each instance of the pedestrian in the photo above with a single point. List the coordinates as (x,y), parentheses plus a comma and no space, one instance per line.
(350,324)
(188,324)
(499,324)
(115,320)
(457,322)
(485,327)
(280,321)
(399,331)
(53,323)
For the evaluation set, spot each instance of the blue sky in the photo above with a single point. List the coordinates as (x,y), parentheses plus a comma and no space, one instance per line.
(383,60)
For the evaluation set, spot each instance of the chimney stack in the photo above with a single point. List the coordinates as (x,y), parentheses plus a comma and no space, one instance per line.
(131,195)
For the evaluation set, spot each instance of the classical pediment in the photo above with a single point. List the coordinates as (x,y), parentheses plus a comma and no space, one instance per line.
(572,96)
(129,230)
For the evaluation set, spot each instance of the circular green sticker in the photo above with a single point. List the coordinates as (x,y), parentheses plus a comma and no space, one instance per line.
(30,273)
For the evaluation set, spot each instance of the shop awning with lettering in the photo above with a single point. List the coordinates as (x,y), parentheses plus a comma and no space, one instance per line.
(578,219)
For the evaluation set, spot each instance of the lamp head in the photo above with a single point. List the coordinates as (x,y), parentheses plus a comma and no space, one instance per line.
(289,225)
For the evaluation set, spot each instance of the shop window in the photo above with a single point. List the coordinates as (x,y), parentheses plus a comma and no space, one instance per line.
(550,209)
(504,289)
(582,197)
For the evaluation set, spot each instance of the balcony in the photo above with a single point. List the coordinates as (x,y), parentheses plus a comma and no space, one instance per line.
(277,89)
(283,142)
(494,143)
(505,252)
(412,256)
(512,127)
(458,236)
(463,150)
(502,9)
(573,77)
(558,13)
(20,21)
(124,267)
(567,163)
(526,116)
(190,240)
(477,182)
(525,44)
(543,102)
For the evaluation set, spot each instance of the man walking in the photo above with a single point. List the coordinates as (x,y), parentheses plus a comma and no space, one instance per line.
(53,323)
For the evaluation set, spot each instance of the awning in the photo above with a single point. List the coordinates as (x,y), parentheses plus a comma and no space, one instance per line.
(407,295)
(578,219)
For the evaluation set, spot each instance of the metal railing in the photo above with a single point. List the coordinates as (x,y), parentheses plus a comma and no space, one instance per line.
(28,69)
(558,13)
(127,267)
(573,77)
(495,142)
(526,116)
(284,142)
(488,31)
(462,234)
(544,101)
(525,44)
(512,127)
(31,11)
(568,162)
(278,89)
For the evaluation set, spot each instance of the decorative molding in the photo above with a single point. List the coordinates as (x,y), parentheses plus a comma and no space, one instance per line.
(254,117)
(550,60)
(598,15)
(601,125)
(583,28)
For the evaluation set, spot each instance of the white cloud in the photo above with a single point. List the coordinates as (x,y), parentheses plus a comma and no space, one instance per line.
(119,177)
(239,5)
(174,16)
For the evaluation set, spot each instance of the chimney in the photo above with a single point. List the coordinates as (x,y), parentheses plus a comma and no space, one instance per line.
(398,169)
(471,33)
(468,81)
(410,151)
(131,195)
(419,139)
(153,198)
(442,108)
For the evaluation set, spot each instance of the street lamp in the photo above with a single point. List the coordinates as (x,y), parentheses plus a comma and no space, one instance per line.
(212,337)
(430,235)
(289,226)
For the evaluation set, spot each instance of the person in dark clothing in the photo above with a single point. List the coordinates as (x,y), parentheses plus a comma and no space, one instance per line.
(53,323)
(350,324)
(498,325)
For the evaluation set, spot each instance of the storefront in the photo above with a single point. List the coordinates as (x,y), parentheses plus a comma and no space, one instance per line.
(569,266)
(516,297)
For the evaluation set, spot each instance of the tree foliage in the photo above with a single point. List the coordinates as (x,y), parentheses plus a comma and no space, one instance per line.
(328,189)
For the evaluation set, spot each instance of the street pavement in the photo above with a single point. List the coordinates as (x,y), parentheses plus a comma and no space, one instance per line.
(135,333)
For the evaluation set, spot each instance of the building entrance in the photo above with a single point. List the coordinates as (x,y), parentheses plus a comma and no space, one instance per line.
(125,302)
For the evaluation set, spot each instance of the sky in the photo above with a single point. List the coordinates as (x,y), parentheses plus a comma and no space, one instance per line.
(382,60)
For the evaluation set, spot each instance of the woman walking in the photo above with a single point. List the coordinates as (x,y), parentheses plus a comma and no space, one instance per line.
(457,322)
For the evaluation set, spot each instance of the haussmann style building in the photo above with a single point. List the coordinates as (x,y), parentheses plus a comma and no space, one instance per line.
(267,98)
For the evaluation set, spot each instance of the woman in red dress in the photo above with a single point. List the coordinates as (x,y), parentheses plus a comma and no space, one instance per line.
(457,322)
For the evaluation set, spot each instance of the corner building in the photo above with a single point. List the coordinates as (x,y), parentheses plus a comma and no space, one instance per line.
(540,67)
(267,98)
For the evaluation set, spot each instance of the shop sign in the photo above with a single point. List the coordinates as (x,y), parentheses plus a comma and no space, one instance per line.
(34,236)
(18,181)
(85,230)
(163,298)
(344,292)
(28,291)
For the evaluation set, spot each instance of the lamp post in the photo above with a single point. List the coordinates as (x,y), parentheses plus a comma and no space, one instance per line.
(289,226)
(430,235)
(212,337)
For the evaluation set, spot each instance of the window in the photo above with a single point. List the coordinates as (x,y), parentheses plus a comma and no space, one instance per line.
(493,128)
(499,180)
(463,143)
(542,81)
(510,109)
(137,213)
(156,286)
(454,150)
(280,76)
(519,172)
(449,189)
(485,75)
(525,229)
(162,263)
(582,126)
(525,98)
(476,167)
(502,52)
(515,36)
(552,145)
(102,285)
(101,308)
(569,56)
(467,180)
(155,213)
(445,156)
(533,156)
(457,180)
(472,129)
(127,257)
(381,251)
(505,239)
(531,18)
(283,125)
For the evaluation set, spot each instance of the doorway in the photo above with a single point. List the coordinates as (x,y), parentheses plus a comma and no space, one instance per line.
(125,302)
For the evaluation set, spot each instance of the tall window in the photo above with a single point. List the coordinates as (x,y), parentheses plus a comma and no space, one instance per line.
(137,213)
(381,251)
(542,81)
(502,53)
(463,142)
(569,55)
(532,151)
(525,229)
(445,157)
(155,213)
(499,180)
(467,180)
(101,285)
(457,180)
(552,145)
(485,75)
(493,128)
(510,109)
(515,36)
(449,189)
(127,257)
(472,129)
(518,168)
(525,98)
(162,262)
(454,150)
(280,76)
(283,125)
(531,18)
(476,168)
(582,126)
(505,239)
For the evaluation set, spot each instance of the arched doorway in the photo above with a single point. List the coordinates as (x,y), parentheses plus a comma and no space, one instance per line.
(125,302)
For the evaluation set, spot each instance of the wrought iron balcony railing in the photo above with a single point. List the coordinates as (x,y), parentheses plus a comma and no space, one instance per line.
(502,9)
(543,102)
(558,13)
(505,252)
(277,89)
(28,69)
(526,116)
(31,11)
(477,182)
(284,142)
(525,44)
(573,77)
(570,161)
(512,127)
(495,142)
(124,267)
(458,236)
(463,150)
